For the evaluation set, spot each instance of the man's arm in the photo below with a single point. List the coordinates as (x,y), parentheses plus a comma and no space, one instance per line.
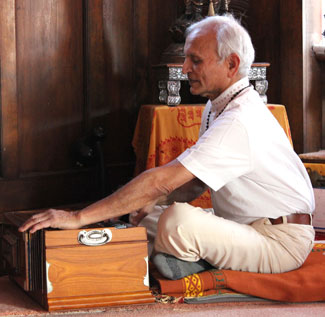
(144,190)
(185,193)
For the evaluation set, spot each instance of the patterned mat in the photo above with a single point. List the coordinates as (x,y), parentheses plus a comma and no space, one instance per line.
(306,284)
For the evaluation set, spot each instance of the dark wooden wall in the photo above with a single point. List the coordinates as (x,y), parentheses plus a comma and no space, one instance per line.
(283,33)
(67,67)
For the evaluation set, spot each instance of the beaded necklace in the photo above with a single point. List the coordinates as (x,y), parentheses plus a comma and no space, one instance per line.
(223,109)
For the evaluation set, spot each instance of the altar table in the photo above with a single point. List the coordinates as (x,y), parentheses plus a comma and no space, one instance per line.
(162,133)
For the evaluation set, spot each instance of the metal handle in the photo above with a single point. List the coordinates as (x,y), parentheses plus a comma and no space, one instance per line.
(95,237)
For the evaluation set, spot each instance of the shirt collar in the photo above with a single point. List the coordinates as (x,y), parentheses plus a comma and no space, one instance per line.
(221,101)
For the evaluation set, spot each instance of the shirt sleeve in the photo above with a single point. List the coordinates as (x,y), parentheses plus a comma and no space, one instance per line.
(220,155)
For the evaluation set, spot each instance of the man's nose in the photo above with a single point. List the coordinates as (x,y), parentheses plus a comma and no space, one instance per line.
(186,66)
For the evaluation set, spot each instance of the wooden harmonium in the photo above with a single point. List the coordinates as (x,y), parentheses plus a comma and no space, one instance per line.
(102,265)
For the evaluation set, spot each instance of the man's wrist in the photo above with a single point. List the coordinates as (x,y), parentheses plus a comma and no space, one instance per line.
(80,220)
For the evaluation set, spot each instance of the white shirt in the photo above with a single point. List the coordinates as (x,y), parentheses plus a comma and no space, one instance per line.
(247,160)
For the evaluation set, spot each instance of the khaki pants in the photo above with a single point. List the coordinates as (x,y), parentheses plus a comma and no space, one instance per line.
(190,233)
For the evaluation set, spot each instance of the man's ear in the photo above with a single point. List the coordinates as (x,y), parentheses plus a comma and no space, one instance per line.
(233,61)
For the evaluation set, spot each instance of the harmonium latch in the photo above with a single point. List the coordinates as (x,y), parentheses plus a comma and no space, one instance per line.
(95,237)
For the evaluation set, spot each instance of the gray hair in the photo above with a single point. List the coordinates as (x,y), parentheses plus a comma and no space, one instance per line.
(231,38)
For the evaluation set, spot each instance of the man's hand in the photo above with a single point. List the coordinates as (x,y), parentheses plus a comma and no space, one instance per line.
(52,218)
(136,216)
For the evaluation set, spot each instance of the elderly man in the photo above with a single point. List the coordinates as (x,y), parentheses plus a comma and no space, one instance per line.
(261,194)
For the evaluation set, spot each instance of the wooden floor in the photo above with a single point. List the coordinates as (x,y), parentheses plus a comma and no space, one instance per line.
(14,302)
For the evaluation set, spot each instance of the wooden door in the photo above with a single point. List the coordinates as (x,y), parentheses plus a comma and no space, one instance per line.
(66,68)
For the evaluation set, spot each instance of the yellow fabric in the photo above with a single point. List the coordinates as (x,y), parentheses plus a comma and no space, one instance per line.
(162,133)
(317,167)
(280,113)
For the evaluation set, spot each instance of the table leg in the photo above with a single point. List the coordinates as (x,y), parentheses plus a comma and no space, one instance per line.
(173,87)
(162,85)
(261,87)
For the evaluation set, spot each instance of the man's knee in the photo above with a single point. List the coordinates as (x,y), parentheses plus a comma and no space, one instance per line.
(174,216)
(175,232)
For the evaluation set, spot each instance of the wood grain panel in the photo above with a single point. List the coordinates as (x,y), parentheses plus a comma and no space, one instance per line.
(312,80)
(141,48)
(282,33)
(264,28)
(111,68)
(101,300)
(8,86)
(40,191)
(50,82)
(97,270)
(66,67)
(292,68)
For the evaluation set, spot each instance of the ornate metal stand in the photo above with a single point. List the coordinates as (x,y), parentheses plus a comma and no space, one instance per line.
(171,75)
(257,76)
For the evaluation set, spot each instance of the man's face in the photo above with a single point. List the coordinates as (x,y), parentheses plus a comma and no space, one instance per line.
(207,76)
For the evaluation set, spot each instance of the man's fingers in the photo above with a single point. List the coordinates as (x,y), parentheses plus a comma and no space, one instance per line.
(38,226)
(39,221)
(31,224)
(43,222)
(136,217)
(28,224)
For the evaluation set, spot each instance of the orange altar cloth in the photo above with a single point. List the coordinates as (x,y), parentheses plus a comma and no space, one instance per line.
(162,133)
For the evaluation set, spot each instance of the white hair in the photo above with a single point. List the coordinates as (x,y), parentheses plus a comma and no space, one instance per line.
(231,38)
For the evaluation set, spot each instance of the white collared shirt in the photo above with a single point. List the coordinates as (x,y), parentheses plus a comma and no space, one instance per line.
(247,160)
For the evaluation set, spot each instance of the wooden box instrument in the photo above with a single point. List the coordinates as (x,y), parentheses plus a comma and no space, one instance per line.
(104,265)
